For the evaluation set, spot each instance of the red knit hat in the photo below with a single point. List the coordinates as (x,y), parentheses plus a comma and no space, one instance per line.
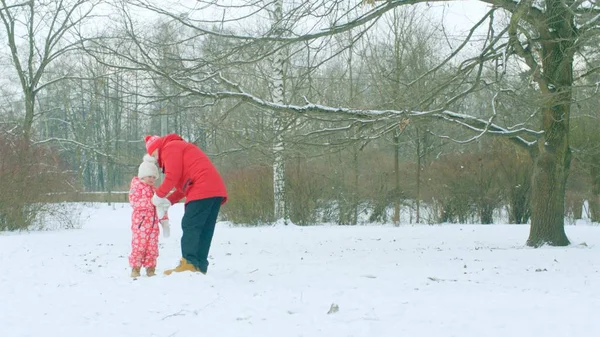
(152,143)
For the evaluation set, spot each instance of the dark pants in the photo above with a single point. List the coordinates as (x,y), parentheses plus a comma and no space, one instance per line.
(198,225)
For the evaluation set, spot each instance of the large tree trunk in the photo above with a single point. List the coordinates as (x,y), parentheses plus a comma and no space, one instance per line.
(548,199)
(551,165)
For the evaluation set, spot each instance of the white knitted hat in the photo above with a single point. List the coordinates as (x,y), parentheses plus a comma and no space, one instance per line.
(148,167)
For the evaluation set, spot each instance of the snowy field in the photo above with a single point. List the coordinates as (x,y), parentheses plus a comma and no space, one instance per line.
(439,281)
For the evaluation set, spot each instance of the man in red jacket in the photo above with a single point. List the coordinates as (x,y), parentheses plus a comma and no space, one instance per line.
(191,173)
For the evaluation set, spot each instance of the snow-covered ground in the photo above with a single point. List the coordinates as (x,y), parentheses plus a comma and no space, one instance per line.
(439,281)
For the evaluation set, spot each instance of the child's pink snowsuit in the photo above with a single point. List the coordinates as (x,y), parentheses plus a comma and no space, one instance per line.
(144,225)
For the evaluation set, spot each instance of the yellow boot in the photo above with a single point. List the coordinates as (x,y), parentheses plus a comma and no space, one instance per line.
(150,271)
(183,266)
(135,272)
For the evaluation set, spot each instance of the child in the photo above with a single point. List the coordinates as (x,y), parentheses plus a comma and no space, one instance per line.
(144,220)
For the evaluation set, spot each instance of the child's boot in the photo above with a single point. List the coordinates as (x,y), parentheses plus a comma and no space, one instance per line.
(135,272)
(150,271)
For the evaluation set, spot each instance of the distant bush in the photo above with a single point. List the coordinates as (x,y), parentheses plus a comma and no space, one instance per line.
(464,187)
(250,192)
(27,174)
(305,184)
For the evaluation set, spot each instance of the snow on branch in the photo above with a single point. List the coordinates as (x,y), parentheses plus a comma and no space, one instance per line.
(376,115)
(482,132)
(592,22)
(74,142)
(490,128)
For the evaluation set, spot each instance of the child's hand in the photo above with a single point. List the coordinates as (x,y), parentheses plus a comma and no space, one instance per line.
(161,211)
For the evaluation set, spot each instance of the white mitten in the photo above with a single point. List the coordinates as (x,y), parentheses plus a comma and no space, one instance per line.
(162,205)
(166,228)
(158,201)
(161,211)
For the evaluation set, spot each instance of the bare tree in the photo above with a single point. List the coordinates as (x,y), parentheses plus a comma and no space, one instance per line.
(545,36)
(410,53)
(38,33)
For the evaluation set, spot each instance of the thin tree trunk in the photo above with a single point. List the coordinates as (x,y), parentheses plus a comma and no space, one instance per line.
(418,196)
(107,139)
(355,194)
(594,200)
(396,218)
(164,120)
(398,52)
(277,92)
(278,176)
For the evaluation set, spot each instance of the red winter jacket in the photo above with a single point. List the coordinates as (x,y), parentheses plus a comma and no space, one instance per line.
(188,170)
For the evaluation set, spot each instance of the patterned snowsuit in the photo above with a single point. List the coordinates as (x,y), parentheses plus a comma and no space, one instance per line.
(144,225)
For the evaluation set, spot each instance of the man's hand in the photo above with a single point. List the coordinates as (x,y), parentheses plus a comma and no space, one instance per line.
(162,205)
(160,202)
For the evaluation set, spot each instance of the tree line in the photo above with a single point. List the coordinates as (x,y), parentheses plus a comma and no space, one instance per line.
(373,111)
